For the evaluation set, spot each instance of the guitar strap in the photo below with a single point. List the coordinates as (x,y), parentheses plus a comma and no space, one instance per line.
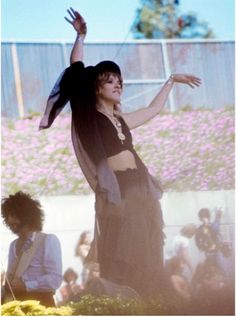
(25,258)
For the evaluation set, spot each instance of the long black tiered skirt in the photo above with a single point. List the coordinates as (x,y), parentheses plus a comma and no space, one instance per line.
(130,243)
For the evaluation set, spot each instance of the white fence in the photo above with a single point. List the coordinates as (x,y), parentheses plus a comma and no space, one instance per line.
(29,70)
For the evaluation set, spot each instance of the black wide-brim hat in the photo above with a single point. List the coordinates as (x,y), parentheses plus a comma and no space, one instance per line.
(76,82)
(107,66)
(78,75)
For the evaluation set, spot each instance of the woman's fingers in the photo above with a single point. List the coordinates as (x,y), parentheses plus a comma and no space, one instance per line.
(78,15)
(72,10)
(197,80)
(75,15)
(72,15)
(188,79)
(68,20)
(190,85)
(193,81)
(77,21)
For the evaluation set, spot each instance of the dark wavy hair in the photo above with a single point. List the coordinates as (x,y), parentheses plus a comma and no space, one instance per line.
(84,106)
(25,209)
(204,213)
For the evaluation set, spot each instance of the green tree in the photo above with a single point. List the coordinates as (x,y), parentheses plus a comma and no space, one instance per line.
(161,19)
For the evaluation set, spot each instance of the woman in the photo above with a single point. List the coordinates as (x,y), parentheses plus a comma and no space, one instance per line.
(81,251)
(128,233)
(179,285)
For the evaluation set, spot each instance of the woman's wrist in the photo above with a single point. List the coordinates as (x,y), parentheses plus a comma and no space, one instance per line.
(171,80)
(80,37)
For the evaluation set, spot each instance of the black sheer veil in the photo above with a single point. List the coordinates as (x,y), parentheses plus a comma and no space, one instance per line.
(76,85)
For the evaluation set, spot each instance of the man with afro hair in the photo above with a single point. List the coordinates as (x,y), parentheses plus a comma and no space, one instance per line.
(34,261)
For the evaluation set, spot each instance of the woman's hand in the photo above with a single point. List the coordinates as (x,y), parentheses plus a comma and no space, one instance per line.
(78,22)
(188,79)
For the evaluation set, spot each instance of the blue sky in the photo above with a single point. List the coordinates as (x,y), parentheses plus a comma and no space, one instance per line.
(107,20)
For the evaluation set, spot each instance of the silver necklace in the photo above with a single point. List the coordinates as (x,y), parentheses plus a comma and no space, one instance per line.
(118,126)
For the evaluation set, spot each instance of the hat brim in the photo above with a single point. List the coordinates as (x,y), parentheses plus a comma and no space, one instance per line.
(107,66)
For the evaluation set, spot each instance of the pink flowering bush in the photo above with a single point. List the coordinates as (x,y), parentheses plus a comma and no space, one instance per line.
(186,150)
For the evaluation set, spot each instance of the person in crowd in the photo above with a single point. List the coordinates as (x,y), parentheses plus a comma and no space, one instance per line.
(210,290)
(69,288)
(93,273)
(83,245)
(181,245)
(35,263)
(211,283)
(207,278)
(208,238)
(128,239)
(81,252)
(179,285)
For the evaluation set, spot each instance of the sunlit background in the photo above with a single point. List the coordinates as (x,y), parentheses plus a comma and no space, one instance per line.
(107,20)
(189,147)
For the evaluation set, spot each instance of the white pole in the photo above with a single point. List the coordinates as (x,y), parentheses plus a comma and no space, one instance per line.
(167,72)
(65,54)
(16,68)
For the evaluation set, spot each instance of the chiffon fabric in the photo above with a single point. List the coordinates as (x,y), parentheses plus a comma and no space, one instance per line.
(130,243)
(76,85)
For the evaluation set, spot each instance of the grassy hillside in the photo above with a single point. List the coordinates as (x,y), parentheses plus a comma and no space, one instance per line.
(186,150)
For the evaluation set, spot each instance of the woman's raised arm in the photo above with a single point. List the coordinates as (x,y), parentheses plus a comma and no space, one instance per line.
(136,118)
(80,27)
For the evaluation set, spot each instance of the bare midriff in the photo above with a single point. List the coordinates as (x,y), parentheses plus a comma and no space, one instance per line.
(122,161)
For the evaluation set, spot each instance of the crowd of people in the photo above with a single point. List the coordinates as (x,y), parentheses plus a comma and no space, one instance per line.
(35,263)
(207,280)
(185,279)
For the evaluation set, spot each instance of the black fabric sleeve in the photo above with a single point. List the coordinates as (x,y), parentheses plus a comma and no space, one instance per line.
(62,92)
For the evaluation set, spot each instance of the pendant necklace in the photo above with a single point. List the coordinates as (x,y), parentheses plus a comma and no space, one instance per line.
(118,126)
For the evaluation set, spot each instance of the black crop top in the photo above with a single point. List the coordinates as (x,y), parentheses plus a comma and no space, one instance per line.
(112,144)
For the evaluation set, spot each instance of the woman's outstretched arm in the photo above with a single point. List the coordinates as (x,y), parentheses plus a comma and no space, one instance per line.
(80,27)
(139,117)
